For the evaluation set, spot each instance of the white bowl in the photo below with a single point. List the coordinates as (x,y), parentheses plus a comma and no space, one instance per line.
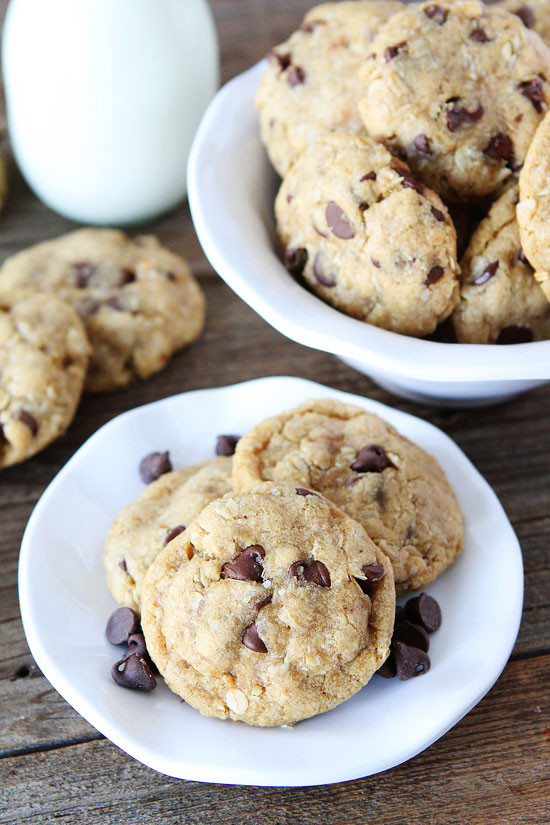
(231,191)
(65,604)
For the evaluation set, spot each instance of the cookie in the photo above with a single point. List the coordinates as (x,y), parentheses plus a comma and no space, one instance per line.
(272,607)
(535,14)
(43,359)
(139,302)
(500,300)
(367,236)
(161,513)
(394,489)
(457,89)
(311,85)
(533,210)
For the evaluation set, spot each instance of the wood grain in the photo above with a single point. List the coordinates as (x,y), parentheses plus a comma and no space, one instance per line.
(491,768)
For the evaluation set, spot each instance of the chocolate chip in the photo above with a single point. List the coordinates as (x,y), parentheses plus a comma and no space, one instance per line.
(225,444)
(422,144)
(134,672)
(373,573)
(122,565)
(435,273)
(438,214)
(247,566)
(413,635)
(526,16)
(171,276)
(479,35)
(321,234)
(171,534)
(409,661)
(458,116)
(368,176)
(29,420)
(375,262)
(154,465)
(393,51)
(487,273)
(399,614)
(264,602)
(388,669)
(296,76)
(126,276)
(436,13)
(515,335)
(310,571)
(338,221)
(425,611)
(295,260)
(363,206)
(281,60)
(121,625)
(371,459)
(322,277)
(136,644)
(251,640)
(532,89)
(84,272)
(302,491)
(500,147)
(523,258)
(409,181)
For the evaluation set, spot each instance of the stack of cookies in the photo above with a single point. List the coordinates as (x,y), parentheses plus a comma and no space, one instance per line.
(93,310)
(389,124)
(266,581)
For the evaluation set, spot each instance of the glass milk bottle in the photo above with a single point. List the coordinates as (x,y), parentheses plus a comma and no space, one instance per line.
(103,99)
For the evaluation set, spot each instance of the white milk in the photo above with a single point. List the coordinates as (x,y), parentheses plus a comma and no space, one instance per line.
(103,99)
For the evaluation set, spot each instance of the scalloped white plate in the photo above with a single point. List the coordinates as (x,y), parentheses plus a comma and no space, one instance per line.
(65,604)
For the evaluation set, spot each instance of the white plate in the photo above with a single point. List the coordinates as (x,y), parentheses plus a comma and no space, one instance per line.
(65,604)
(231,192)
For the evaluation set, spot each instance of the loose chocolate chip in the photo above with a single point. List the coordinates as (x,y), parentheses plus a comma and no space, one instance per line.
(295,260)
(515,335)
(171,534)
(247,566)
(399,614)
(154,465)
(134,672)
(322,277)
(393,51)
(409,661)
(500,147)
(523,258)
(425,611)
(413,635)
(121,625)
(526,16)
(310,571)
(136,644)
(225,444)
(479,35)
(281,60)
(251,640)
(532,89)
(458,116)
(388,669)
(438,214)
(422,145)
(375,262)
(122,565)
(302,491)
(338,221)
(435,273)
(436,13)
(127,275)
(84,272)
(368,176)
(264,602)
(487,273)
(371,459)
(29,420)
(296,76)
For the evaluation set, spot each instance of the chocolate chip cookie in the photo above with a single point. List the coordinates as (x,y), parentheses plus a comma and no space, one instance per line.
(139,302)
(533,210)
(535,14)
(43,359)
(458,89)
(500,300)
(394,489)
(272,607)
(311,85)
(160,514)
(367,236)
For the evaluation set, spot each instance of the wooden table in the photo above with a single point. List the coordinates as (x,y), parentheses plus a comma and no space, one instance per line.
(491,768)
